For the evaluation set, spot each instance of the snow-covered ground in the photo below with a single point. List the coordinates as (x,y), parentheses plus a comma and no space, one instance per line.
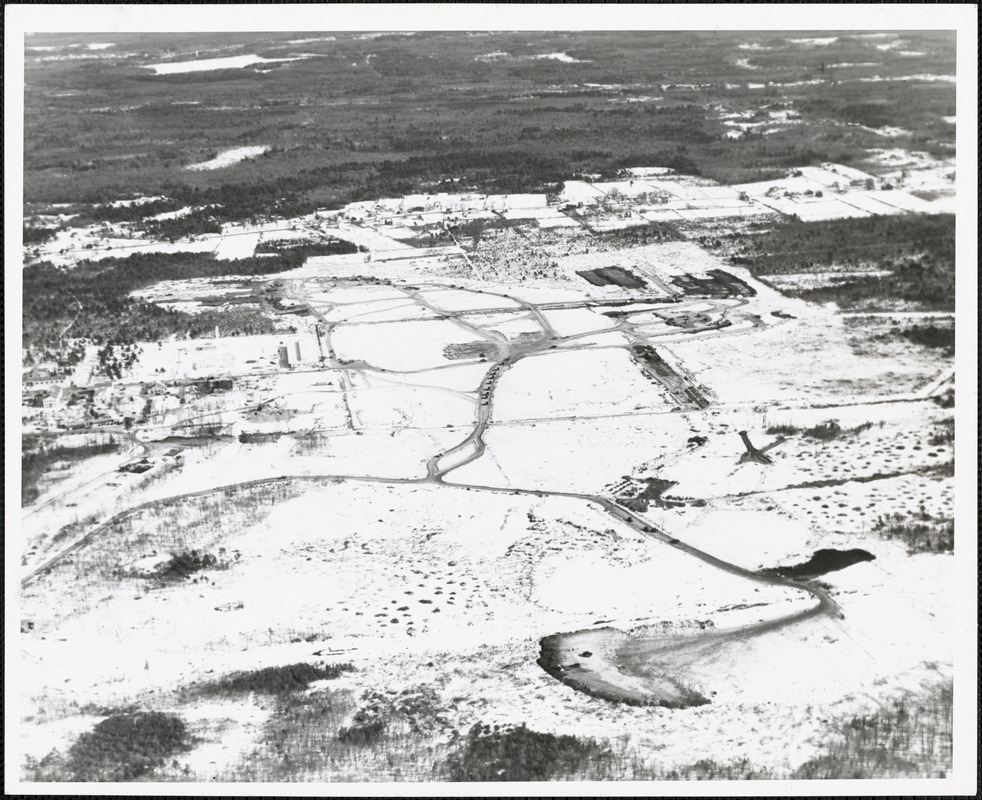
(457,300)
(386,405)
(576,382)
(202,358)
(229,157)
(399,346)
(577,455)
(816,41)
(347,547)
(500,55)
(206,64)
(670,198)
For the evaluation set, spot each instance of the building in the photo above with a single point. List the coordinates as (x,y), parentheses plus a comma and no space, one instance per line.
(155,389)
(41,378)
(58,398)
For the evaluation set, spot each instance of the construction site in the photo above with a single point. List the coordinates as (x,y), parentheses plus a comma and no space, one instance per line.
(647,466)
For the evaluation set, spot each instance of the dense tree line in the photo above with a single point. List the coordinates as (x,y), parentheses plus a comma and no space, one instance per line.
(938,336)
(36,458)
(127,746)
(520,754)
(38,235)
(92,299)
(273,680)
(307,248)
(919,250)
(332,186)
(194,223)
(923,282)
(128,212)
(335,185)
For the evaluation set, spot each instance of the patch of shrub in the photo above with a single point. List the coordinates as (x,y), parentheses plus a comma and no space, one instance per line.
(74,529)
(825,432)
(709,770)
(274,680)
(98,710)
(475,229)
(921,532)
(124,747)
(183,565)
(943,434)
(49,768)
(363,733)
(35,461)
(310,247)
(383,735)
(519,754)
(947,399)
(636,235)
(937,336)
(910,738)
(783,430)
(309,443)
(37,235)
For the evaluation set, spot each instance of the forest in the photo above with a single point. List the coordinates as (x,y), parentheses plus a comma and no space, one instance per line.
(355,120)
(919,251)
(92,300)
(38,457)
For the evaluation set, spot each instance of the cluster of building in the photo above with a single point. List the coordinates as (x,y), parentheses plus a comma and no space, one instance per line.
(442,203)
(101,405)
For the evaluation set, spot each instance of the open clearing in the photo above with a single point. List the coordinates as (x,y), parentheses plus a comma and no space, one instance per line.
(206,64)
(229,157)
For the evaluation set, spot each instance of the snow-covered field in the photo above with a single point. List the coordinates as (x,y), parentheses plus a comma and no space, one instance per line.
(229,157)
(399,346)
(388,405)
(577,321)
(456,300)
(499,55)
(428,580)
(807,359)
(681,198)
(575,382)
(202,358)
(206,64)
(574,455)
(352,546)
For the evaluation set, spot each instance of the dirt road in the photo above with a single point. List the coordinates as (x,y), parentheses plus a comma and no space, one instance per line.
(642,668)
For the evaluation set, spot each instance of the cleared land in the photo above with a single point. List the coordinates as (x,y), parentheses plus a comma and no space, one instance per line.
(353,434)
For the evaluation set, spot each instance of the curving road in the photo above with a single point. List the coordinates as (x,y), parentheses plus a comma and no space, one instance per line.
(636,669)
